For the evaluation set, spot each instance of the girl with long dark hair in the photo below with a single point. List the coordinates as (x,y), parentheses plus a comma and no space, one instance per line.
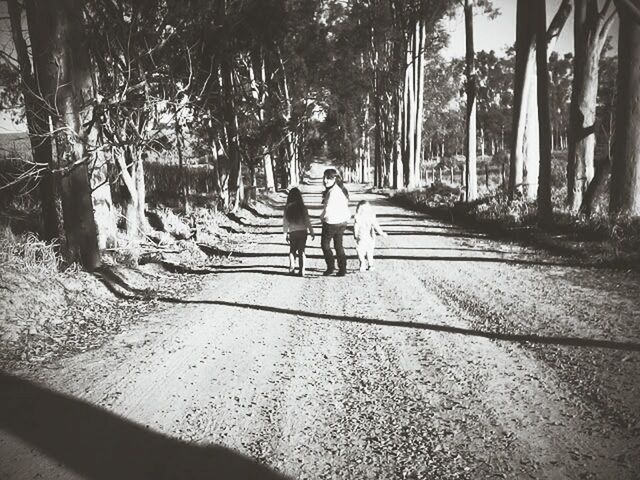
(296,224)
(335,215)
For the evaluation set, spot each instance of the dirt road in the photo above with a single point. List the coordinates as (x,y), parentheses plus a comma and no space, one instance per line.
(457,357)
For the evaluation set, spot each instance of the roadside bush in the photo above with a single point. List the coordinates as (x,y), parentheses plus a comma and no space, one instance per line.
(498,208)
(436,195)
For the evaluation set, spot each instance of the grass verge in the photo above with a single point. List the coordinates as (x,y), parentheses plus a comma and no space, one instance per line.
(597,240)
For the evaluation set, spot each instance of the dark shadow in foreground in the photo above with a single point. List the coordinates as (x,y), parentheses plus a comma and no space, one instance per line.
(100,445)
(510,337)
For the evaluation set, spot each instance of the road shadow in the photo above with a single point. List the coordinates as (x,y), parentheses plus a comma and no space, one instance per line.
(509,337)
(406,215)
(417,258)
(396,248)
(98,444)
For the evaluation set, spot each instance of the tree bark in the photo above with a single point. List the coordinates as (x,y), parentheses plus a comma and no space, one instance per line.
(625,168)
(422,40)
(596,186)
(184,173)
(69,65)
(471,181)
(229,113)
(397,168)
(590,33)
(259,95)
(103,209)
(525,42)
(525,154)
(545,211)
(37,114)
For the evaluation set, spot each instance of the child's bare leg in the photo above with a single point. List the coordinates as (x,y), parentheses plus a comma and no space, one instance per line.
(301,262)
(292,262)
(370,256)
(361,257)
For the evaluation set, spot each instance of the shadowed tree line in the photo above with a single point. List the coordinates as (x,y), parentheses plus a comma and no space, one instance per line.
(254,88)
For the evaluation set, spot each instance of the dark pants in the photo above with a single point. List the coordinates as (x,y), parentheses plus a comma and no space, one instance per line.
(335,233)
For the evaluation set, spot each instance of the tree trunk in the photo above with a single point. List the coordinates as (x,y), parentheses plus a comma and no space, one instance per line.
(531,140)
(129,191)
(397,173)
(525,154)
(229,114)
(525,42)
(259,95)
(72,94)
(422,40)
(471,181)
(184,173)
(103,209)
(545,211)
(590,33)
(596,186)
(231,129)
(625,169)
(408,126)
(36,113)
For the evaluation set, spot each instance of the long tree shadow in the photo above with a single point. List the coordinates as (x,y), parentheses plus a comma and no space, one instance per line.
(424,226)
(395,248)
(405,215)
(510,337)
(418,258)
(427,233)
(98,444)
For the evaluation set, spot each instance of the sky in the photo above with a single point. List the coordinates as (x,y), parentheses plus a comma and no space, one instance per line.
(500,33)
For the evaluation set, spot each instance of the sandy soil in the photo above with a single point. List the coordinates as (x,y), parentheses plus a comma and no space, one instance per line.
(457,357)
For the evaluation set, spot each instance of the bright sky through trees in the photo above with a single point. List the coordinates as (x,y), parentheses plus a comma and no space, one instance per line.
(500,33)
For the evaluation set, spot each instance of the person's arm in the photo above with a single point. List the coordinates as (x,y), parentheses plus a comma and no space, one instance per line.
(377,227)
(307,222)
(325,204)
(285,228)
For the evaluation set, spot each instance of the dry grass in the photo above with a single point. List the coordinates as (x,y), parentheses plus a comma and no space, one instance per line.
(27,252)
(598,237)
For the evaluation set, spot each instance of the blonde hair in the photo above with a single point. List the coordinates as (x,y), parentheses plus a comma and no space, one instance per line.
(364,212)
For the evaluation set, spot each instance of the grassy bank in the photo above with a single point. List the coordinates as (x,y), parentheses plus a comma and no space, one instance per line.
(51,310)
(595,240)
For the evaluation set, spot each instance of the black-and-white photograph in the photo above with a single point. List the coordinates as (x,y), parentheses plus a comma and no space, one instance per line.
(320,239)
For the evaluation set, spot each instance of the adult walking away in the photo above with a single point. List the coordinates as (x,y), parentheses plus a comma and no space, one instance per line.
(334,217)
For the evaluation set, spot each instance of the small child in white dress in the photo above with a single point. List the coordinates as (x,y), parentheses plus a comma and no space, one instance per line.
(365,228)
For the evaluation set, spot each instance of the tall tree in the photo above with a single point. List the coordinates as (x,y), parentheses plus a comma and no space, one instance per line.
(37,114)
(591,30)
(471,180)
(69,87)
(625,169)
(544,183)
(525,155)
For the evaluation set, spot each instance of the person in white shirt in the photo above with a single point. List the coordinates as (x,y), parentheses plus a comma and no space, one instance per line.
(334,217)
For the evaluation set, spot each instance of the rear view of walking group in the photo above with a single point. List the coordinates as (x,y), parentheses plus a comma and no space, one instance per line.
(335,217)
